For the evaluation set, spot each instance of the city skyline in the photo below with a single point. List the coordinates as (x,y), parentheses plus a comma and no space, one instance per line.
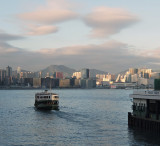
(107,35)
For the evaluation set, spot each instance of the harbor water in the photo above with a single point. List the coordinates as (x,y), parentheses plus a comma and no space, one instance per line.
(86,117)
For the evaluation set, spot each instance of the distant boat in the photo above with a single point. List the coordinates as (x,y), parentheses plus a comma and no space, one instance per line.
(47,100)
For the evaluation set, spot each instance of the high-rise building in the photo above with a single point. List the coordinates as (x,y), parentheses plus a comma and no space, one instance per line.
(76,75)
(128,78)
(100,76)
(47,75)
(133,71)
(40,74)
(2,75)
(58,75)
(134,78)
(85,73)
(155,75)
(18,70)
(8,71)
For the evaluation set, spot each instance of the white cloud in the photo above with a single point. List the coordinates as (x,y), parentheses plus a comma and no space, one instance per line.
(106,21)
(41,30)
(50,14)
(46,16)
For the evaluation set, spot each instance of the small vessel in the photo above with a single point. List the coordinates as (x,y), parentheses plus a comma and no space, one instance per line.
(47,101)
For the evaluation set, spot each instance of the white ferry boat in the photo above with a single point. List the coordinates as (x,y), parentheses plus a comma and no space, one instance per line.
(47,100)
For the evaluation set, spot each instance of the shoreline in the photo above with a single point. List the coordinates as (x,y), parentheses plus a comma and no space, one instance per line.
(32,88)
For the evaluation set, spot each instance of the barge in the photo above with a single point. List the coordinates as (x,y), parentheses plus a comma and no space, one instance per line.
(47,100)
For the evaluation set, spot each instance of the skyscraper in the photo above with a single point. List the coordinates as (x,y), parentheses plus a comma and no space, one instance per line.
(2,75)
(8,72)
(77,75)
(58,75)
(133,71)
(18,70)
(85,73)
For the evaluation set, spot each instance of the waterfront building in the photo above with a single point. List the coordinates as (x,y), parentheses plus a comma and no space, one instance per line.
(83,83)
(106,83)
(128,78)
(58,75)
(47,75)
(28,82)
(8,72)
(106,77)
(84,73)
(2,76)
(21,75)
(28,74)
(110,77)
(40,74)
(76,75)
(133,71)
(134,78)
(49,82)
(18,70)
(144,72)
(142,81)
(8,80)
(36,82)
(77,83)
(100,76)
(88,83)
(155,75)
(118,78)
(64,83)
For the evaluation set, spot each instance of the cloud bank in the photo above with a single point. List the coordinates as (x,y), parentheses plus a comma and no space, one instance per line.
(9,37)
(111,56)
(106,21)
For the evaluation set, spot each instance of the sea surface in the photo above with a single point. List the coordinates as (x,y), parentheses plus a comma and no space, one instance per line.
(86,117)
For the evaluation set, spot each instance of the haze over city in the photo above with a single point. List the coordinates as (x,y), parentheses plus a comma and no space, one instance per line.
(107,35)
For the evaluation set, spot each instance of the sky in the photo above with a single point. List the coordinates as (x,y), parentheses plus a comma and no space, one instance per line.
(109,35)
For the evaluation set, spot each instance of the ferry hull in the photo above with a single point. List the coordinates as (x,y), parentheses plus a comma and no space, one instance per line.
(44,106)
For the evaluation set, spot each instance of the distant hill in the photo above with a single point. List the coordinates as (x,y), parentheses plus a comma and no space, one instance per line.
(93,72)
(121,73)
(67,72)
(156,70)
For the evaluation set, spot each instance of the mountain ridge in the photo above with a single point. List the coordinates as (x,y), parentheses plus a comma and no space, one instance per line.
(67,71)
